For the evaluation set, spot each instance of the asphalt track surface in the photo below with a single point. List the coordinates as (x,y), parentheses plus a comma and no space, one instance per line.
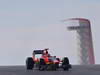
(76,70)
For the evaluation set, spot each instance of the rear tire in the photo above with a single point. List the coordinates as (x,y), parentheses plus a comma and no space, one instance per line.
(29,63)
(65,60)
(65,68)
(65,64)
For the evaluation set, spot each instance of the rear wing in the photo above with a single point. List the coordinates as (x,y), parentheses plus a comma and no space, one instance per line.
(38,51)
(35,52)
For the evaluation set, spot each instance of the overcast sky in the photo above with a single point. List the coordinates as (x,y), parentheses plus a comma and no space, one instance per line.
(26,25)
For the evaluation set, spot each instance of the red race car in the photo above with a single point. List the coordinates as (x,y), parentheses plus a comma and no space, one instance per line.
(46,61)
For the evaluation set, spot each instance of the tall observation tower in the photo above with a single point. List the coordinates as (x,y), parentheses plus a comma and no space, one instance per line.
(84,36)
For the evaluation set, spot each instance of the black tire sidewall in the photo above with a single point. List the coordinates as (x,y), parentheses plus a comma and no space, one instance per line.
(29,63)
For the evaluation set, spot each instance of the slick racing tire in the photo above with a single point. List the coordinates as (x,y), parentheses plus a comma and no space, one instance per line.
(65,64)
(65,60)
(65,68)
(29,63)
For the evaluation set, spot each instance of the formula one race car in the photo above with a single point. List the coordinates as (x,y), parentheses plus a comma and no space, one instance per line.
(46,61)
